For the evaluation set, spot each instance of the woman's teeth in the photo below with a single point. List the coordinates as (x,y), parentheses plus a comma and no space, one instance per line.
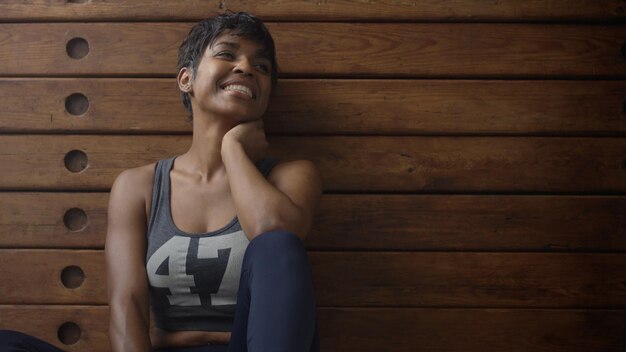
(239,88)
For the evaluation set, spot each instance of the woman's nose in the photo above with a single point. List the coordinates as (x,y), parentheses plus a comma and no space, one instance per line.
(243,66)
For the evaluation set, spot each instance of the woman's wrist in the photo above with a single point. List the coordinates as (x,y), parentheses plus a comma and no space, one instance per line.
(228,144)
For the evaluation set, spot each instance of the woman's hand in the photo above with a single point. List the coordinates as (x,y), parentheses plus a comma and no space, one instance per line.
(251,136)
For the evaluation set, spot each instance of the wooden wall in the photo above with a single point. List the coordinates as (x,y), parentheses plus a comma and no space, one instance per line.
(474,155)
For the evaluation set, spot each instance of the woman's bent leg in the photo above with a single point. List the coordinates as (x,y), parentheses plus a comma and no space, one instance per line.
(14,341)
(275,303)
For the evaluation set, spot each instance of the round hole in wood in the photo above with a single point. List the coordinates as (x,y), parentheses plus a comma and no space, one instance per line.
(72,276)
(69,333)
(76,104)
(75,219)
(76,161)
(77,48)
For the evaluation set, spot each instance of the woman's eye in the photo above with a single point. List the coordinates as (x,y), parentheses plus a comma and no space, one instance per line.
(264,68)
(226,53)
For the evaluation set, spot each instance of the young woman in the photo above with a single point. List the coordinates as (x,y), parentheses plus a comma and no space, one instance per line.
(210,240)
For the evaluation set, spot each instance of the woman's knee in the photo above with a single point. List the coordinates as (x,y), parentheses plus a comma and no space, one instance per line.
(9,335)
(11,340)
(275,239)
(276,244)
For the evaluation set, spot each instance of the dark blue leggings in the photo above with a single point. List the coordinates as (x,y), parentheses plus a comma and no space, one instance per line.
(275,304)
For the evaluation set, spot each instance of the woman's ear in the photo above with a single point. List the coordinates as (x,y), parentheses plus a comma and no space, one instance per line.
(184,79)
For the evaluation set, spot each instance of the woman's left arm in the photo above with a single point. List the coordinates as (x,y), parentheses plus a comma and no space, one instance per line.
(287,200)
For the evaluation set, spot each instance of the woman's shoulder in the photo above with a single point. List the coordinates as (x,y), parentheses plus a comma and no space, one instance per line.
(136,183)
(138,176)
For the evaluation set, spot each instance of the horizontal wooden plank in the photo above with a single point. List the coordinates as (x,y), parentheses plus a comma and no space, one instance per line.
(325,49)
(53,220)
(421,164)
(45,322)
(429,279)
(383,329)
(300,10)
(334,106)
(469,222)
(358,222)
(366,279)
(453,330)
(43,272)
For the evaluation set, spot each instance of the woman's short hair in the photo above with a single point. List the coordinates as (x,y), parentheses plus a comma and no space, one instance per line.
(204,33)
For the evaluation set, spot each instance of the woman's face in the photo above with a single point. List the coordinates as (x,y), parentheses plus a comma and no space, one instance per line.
(232,79)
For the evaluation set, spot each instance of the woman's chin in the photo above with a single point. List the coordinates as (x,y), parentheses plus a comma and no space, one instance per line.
(235,114)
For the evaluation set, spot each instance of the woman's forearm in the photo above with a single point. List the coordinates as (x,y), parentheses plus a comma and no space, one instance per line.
(260,206)
(129,328)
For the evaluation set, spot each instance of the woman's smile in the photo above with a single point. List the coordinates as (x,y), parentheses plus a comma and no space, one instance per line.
(238,92)
(243,88)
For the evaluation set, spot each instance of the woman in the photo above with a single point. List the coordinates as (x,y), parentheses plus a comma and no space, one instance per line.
(211,239)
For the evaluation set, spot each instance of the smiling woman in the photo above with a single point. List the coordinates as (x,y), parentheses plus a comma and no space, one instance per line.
(219,252)
(210,241)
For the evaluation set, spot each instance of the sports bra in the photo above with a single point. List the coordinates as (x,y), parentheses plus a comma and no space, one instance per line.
(193,278)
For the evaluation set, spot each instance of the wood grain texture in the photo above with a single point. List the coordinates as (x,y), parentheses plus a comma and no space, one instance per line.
(330,106)
(370,279)
(301,10)
(41,220)
(367,222)
(363,329)
(418,164)
(454,279)
(441,50)
(469,222)
(44,321)
(473,96)
(34,276)
(462,330)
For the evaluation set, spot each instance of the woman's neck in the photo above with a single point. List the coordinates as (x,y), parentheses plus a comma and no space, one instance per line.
(203,160)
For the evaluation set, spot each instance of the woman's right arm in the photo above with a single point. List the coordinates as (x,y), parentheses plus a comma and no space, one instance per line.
(125,251)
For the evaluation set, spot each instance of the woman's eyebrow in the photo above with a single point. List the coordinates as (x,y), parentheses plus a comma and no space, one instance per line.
(229,44)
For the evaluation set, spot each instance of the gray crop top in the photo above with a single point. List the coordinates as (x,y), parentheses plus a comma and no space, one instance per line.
(193,278)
